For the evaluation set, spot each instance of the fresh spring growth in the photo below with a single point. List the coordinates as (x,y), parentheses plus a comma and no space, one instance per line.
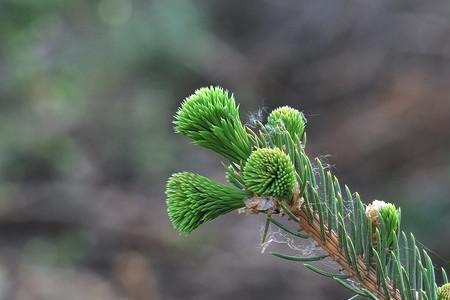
(210,117)
(269,172)
(444,292)
(290,118)
(380,212)
(193,199)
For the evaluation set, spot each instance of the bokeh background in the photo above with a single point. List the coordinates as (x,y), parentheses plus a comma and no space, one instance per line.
(87,94)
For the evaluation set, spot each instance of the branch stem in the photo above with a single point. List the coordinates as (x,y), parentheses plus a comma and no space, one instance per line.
(368,278)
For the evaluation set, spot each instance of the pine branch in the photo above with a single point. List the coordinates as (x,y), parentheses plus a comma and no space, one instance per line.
(272,173)
(366,278)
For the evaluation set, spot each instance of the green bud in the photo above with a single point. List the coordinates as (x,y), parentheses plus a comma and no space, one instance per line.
(269,172)
(193,199)
(385,217)
(291,119)
(210,117)
(444,292)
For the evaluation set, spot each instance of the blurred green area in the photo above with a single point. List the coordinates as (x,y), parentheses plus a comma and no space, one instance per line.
(87,94)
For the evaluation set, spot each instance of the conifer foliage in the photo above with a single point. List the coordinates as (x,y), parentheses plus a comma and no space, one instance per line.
(269,164)
(269,172)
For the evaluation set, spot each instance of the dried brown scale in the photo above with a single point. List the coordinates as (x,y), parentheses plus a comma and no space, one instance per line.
(331,246)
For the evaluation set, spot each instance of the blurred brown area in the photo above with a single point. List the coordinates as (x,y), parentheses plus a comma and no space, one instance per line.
(87,94)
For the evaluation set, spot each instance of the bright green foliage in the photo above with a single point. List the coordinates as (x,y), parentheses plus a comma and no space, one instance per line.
(368,237)
(390,218)
(211,118)
(385,218)
(444,292)
(269,172)
(193,199)
(290,118)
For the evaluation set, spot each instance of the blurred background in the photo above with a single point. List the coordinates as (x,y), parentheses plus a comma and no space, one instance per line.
(87,94)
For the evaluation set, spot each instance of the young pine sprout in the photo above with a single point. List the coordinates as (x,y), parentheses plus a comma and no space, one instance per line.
(291,119)
(210,117)
(269,172)
(444,292)
(384,217)
(193,199)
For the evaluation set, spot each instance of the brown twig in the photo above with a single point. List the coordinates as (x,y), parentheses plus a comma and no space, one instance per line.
(368,278)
